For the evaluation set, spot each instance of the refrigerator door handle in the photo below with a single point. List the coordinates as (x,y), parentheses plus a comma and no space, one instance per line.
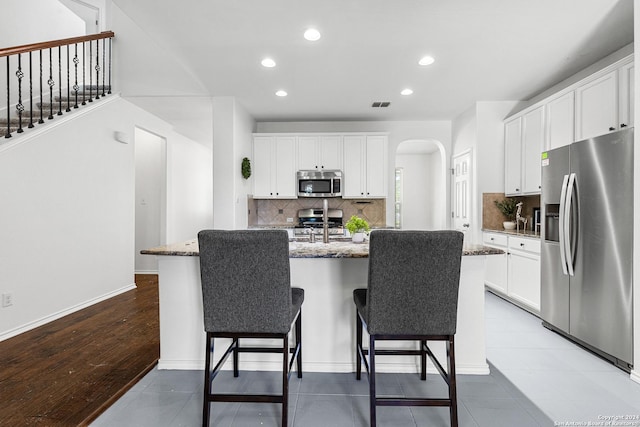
(567,218)
(561,225)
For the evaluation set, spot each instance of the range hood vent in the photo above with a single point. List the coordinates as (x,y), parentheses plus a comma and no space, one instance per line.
(380,104)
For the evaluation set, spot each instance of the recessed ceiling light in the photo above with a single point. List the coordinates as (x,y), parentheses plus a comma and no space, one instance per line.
(406,92)
(427,60)
(281,93)
(268,62)
(312,34)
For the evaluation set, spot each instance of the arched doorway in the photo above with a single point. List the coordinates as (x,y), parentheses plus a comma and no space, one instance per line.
(420,196)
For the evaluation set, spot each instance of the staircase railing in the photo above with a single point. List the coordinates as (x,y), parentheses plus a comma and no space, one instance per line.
(61,72)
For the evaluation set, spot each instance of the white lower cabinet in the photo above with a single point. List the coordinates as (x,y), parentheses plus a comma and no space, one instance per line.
(516,273)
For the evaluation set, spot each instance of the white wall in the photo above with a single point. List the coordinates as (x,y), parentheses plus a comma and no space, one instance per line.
(440,190)
(189,188)
(150,197)
(480,129)
(67,217)
(417,194)
(30,22)
(232,140)
(399,131)
(168,74)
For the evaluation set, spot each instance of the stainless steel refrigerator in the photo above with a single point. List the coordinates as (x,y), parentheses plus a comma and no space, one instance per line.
(587,243)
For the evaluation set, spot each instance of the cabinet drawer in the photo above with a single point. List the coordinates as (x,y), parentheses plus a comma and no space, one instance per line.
(494,239)
(524,244)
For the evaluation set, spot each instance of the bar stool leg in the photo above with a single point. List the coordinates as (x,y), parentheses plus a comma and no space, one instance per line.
(372,381)
(285,378)
(358,346)
(206,407)
(299,343)
(451,370)
(423,359)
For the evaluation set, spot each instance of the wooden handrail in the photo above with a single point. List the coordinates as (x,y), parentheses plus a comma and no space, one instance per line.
(54,43)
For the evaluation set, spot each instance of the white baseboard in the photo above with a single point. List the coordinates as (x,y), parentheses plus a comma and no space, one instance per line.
(54,316)
(145,272)
(635,375)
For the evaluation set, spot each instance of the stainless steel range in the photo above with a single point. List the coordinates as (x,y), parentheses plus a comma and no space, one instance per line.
(311,219)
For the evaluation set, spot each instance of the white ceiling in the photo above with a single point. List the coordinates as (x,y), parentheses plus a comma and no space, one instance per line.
(485,50)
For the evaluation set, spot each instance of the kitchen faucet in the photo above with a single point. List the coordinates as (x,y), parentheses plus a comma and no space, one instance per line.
(519,218)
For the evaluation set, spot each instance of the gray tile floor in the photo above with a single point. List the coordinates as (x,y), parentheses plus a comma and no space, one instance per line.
(537,379)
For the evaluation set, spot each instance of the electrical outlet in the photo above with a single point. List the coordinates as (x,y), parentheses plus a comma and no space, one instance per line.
(289,219)
(7,299)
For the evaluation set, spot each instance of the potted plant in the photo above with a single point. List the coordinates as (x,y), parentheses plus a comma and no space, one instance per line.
(357,228)
(508,208)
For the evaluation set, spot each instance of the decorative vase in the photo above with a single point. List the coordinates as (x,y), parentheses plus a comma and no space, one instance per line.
(509,225)
(357,237)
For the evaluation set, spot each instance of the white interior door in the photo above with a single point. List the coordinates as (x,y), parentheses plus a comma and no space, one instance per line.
(461,211)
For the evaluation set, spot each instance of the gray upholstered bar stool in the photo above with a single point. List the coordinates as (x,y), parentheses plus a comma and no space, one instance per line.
(412,294)
(246,293)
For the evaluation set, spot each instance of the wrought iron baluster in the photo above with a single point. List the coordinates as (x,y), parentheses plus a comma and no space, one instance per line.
(30,91)
(84,72)
(19,106)
(75,64)
(104,49)
(41,120)
(110,57)
(59,80)
(97,69)
(90,73)
(51,83)
(68,85)
(8,134)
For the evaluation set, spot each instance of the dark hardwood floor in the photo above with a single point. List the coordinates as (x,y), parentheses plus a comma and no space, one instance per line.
(67,372)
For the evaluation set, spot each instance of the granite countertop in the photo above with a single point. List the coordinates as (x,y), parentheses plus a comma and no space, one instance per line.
(521,233)
(297,249)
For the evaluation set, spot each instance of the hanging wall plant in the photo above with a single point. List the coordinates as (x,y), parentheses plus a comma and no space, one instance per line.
(246,168)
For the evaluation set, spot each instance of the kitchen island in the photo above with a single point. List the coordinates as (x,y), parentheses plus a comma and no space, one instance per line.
(328,272)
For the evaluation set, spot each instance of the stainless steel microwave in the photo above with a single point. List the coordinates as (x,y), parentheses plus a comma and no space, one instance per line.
(319,183)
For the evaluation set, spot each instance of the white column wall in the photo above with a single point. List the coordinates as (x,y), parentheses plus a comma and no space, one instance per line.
(67,217)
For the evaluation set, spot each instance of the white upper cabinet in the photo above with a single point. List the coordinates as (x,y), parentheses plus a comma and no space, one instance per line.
(560,119)
(513,156)
(524,138)
(376,166)
(532,144)
(320,152)
(365,166)
(627,87)
(597,106)
(361,157)
(274,167)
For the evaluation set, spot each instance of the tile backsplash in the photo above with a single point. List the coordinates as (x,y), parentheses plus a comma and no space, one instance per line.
(492,218)
(275,212)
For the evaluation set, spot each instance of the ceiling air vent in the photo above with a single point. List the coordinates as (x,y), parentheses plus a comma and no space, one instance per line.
(381,104)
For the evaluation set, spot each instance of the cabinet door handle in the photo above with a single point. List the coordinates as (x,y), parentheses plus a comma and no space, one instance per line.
(467,225)
(612,128)
(517,189)
(623,125)
(522,245)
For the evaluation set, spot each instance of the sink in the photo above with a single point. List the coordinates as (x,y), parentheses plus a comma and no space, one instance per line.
(305,239)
